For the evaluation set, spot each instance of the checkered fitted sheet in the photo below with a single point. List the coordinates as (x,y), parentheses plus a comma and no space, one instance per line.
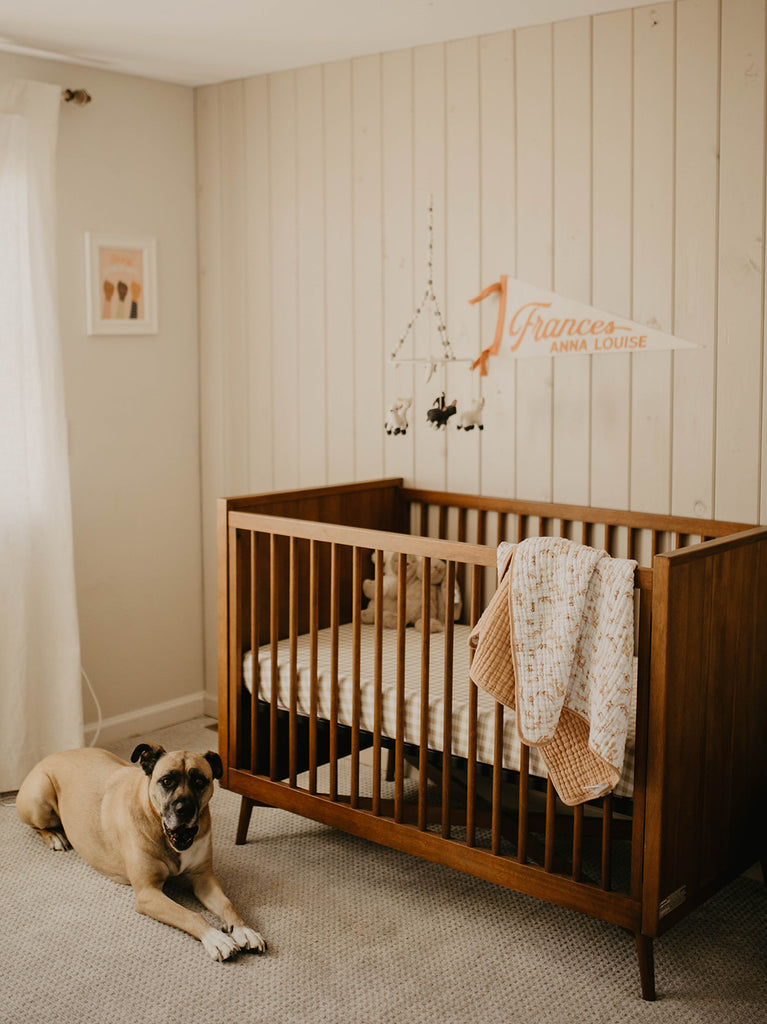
(460,702)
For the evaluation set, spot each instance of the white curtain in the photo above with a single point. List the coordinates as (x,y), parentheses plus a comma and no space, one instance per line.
(40,693)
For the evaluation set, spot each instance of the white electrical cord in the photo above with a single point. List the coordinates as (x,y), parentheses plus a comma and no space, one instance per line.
(98,708)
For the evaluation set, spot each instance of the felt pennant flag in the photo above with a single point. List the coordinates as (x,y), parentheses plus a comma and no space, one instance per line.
(539,323)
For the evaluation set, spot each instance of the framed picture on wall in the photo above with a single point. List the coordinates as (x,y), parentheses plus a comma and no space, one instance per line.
(121,284)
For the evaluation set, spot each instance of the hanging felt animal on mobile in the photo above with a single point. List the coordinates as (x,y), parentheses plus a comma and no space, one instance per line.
(471,417)
(440,413)
(396,420)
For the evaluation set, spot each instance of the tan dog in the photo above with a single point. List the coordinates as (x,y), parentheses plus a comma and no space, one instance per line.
(140,827)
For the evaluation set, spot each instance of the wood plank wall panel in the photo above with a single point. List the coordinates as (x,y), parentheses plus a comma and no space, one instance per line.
(462,249)
(366,283)
(311,340)
(399,281)
(429,171)
(653,265)
(284,234)
(535,154)
(612,114)
(338,270)
(696,186)
(618,159)
(572,252)
(497,251)
(739,430)
(258,285)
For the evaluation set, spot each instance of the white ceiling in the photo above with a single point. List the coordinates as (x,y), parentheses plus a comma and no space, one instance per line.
(198,42)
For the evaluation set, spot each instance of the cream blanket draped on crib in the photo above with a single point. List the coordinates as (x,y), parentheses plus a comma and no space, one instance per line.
(556,644)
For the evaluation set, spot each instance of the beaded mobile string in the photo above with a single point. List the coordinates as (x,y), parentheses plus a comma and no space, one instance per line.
(397,420)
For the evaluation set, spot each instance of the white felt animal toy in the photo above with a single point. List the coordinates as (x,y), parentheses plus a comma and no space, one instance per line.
(396,420)
(471,417)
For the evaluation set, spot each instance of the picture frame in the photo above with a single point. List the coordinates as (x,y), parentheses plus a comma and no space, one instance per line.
(121,284)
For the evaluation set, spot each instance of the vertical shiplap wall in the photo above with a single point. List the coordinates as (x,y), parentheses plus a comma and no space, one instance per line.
(618,160)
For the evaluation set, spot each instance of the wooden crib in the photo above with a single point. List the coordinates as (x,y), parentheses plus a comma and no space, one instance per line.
(358,726)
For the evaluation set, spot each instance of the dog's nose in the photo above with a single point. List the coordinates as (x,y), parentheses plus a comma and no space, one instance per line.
(184,807)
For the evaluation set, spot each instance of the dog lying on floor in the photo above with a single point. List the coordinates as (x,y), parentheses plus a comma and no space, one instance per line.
(140,825)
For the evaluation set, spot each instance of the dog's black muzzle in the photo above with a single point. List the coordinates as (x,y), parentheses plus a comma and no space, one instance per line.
(180,823)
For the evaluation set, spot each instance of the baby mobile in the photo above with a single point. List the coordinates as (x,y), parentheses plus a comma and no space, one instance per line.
(440,412)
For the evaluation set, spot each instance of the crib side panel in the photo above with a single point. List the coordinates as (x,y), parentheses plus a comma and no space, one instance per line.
(707,759)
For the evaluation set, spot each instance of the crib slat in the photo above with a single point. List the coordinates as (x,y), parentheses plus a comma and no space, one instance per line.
(447,711)
(471,772)
(356,669)
(642,715)
(378,683)
(400,714)
(522,824)
(235,648)
(481,526)
(501,527)
(293,634)
(335,597)
(442,521)
(551,803)
(274,635)
(497,806)
(255,664)
(521,527)
(607,821)
(425,652)
(577,842)
(314,602)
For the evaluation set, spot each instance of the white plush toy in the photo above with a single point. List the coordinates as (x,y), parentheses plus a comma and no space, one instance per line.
(472,416)
(396,419)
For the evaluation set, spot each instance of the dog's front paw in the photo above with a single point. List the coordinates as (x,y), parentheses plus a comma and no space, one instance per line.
(55,838)
(246,938)
(219,945)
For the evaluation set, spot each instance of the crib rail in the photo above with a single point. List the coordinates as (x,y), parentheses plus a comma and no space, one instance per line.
(290,577)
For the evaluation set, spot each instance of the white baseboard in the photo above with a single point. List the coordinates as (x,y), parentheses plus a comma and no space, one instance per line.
(157,716)
(211,705)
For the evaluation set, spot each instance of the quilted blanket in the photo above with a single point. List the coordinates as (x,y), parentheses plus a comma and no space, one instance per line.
(556,644)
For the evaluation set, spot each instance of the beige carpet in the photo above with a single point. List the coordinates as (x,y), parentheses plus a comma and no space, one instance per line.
(357,934)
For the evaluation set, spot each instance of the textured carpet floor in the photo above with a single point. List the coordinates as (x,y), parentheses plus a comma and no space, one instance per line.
(357,933)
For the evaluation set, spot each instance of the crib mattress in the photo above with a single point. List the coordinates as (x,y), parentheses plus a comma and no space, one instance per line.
(412,711)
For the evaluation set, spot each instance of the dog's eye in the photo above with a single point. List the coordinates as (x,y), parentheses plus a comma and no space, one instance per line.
(167,782)
(198,781)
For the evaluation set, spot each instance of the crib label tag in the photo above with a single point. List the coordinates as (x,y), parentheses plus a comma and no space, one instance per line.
(671,902)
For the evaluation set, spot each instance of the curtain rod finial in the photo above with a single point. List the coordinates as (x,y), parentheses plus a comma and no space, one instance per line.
(77,96)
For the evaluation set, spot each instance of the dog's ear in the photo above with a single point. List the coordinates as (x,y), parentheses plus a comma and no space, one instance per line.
(215,763)
(147,756)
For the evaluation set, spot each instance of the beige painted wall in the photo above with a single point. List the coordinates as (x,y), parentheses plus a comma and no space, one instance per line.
(126,166)
(617,160)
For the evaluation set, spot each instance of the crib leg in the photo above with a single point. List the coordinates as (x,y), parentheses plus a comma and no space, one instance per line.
(246,808)
(390,764)
(646,966)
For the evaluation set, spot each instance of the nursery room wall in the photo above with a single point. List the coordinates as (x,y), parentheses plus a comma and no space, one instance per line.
(125,167)
(617,160)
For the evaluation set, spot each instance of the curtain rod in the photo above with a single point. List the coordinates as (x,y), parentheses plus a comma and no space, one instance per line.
(77,96)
